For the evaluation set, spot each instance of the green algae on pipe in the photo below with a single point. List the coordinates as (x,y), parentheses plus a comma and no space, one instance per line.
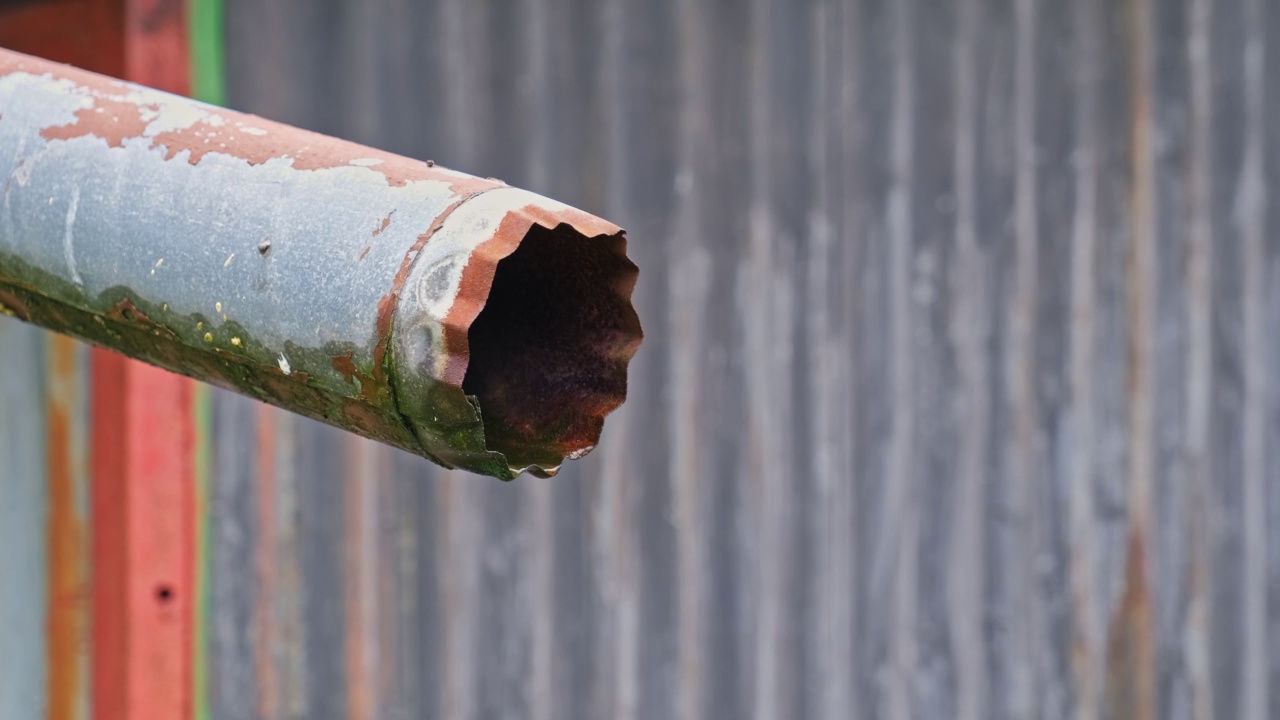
(476,324)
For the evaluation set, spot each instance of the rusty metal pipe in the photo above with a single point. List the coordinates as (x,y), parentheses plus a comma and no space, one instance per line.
(476,324)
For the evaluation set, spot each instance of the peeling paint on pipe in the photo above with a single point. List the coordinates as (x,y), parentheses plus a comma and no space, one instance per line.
(476,324)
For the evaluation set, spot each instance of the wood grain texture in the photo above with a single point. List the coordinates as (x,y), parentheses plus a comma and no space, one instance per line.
(955,399)
(24,507)
(67,531)
(144,532)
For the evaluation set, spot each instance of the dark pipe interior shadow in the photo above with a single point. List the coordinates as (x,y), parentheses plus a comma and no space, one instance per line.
(549,351)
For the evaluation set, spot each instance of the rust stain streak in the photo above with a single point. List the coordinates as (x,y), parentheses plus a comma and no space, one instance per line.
(388,303)
(386,221)
(369,387)
(1131,652)
(1131,692)
(10,304)
(344,365)
(365,254)
(67,625)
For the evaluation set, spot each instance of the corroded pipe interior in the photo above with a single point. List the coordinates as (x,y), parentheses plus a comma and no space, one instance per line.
(549,351)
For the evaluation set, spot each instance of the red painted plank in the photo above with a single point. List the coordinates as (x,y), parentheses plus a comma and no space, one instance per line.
(85,33)
(144,474)
(156,45)
(108,554)
(143,540)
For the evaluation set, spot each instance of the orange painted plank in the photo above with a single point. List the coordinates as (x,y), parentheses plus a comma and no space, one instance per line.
(67,530)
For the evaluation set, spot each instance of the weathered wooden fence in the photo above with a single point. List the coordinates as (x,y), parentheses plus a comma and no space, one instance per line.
(959,396)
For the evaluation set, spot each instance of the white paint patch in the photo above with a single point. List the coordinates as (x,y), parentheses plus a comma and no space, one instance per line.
(365,162)
(253,131)
(22,173)
(67,250)
(175,116)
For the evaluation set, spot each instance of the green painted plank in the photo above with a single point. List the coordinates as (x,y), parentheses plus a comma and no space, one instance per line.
(208,64)
(208,83)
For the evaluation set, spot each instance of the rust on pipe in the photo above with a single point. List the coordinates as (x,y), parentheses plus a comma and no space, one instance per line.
(476,324)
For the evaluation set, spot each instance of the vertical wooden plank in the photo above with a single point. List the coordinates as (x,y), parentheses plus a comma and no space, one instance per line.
(202,458)
(1131,659)
(1268,18)
(144,475)
(365,468)
(1225,511)
(1052,155)
(286,634)
(233,636)
(1110,397)
(109,615)
(936,297)
(24,506)
(157,45)
(970,335)
(614,553)
(765,325)
(1086,633)
(206,31)
(314,644)
(1168,558)
(688,265)
(827,615)
(143,542)
(1200,368)
(903,500)
(874,352)
(1027,477)
(267,650)
(67,532)
(84,33)
(1252,216)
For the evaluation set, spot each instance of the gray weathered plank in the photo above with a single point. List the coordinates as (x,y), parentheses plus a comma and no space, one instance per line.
(955,397)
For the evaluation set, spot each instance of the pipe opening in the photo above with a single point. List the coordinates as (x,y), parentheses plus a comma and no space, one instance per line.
(548,352)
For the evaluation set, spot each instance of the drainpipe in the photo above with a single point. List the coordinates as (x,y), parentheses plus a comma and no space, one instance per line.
(478,325)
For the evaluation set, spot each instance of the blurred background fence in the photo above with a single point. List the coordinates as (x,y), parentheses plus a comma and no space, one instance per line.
(959,397)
